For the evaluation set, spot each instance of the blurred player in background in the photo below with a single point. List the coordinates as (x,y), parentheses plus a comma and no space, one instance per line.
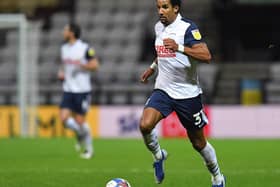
(179,48)
(79,61)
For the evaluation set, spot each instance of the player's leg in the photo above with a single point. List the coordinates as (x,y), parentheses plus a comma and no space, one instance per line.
(66,112)
(191,115)
(81,106)
(67,120)
(207,151)
(156,108)
(86,136)
(149,120)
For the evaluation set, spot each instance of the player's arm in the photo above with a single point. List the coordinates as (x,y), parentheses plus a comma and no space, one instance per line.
(153,67)
(149,72)
(60,73)
(92,65)
(193,45)
(198,51)
(92,61)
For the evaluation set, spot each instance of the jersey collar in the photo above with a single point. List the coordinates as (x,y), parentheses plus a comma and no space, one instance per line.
(178,18)
(75,43)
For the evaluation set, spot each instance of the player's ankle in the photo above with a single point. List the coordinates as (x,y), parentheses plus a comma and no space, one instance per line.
(157,155)
(218,178)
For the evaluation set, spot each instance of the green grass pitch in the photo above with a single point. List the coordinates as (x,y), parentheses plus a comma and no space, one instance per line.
(54,163)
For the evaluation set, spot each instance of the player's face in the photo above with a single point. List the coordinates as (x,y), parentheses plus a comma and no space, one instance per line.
(66,33)
(167,13)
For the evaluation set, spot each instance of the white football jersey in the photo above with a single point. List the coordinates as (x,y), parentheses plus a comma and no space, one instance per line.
(177,74)
(76,79)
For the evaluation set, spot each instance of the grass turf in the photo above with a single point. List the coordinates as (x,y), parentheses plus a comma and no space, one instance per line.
(54,163)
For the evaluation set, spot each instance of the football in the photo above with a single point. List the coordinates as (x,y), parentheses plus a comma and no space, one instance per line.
(118,182)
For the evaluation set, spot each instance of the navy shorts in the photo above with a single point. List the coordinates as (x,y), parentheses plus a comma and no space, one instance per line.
(76,102)
(189,111)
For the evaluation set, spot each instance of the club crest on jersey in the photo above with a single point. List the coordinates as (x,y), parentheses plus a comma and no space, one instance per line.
(196,34)
(163,52)
(91,52)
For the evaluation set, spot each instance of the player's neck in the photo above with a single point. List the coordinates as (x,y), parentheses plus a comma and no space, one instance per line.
(72,41)
(172,21)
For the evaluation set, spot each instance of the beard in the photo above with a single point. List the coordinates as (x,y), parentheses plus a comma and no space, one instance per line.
(163,20)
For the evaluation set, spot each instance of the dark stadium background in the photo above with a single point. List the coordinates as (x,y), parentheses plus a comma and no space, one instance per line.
(242,35)
(241,90)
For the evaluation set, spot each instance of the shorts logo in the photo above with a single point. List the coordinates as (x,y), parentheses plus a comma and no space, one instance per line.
(196,34)
(163,52)
(147,102)
(86,103)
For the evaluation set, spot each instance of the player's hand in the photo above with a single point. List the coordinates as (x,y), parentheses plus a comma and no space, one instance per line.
(60,75)
(146,74)
(82,66)
(170,44)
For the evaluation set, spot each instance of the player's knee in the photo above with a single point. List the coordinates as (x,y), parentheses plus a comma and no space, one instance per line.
(198,145)
(64,115)
(63,118)
(146,126)
(80,120)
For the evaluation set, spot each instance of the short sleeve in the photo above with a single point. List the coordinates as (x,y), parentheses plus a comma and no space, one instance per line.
(90,53)
(192,36)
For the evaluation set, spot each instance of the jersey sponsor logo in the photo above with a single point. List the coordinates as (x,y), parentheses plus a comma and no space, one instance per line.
(163,52)
(196,34)
(69,61)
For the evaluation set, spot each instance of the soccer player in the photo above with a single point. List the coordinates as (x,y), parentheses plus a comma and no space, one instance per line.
(79,60)
(179,48)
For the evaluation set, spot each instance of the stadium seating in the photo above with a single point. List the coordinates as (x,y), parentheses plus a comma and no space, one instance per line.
(230,77)
(272,87)
(116,29)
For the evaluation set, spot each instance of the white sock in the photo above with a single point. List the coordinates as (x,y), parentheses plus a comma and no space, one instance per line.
(209,156)
(151,141)
(72,124)
(85,129)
